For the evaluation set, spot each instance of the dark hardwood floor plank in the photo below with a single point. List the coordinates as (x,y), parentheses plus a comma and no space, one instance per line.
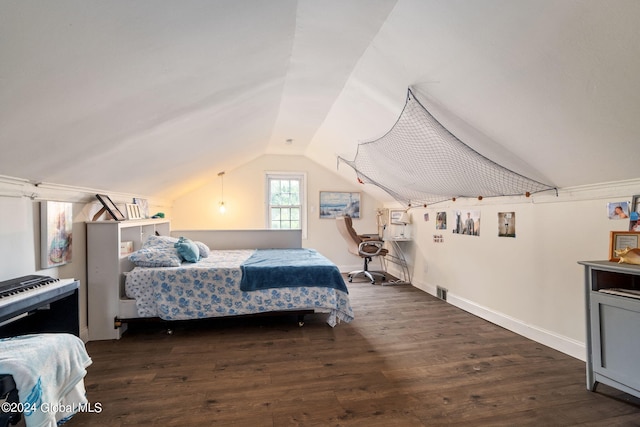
(408,359)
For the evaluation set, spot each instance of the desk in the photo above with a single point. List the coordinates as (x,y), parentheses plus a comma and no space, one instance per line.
(397,256)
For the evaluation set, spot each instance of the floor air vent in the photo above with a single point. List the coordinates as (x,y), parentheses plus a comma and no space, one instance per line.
(441,293)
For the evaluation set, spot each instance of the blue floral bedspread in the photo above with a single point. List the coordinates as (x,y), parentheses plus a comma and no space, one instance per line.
(211,288)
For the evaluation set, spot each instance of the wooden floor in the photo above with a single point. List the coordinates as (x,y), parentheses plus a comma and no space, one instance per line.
(408,359)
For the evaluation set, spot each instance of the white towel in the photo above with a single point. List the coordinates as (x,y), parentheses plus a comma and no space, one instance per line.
(46,368)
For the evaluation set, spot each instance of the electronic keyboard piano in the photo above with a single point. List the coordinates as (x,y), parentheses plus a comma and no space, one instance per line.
(36,304)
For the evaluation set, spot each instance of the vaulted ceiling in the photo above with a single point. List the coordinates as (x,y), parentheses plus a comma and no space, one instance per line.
(155,97)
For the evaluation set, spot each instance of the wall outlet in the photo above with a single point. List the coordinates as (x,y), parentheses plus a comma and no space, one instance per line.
(441,293)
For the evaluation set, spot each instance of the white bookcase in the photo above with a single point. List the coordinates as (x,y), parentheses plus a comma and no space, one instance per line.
(105,271)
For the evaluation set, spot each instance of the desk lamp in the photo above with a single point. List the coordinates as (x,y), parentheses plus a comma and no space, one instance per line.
(404,220)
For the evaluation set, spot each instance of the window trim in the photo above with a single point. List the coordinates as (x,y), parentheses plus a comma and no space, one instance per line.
(302,176)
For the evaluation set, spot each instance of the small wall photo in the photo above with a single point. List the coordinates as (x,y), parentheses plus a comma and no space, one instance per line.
(441,221)
(506,224)
(618,210)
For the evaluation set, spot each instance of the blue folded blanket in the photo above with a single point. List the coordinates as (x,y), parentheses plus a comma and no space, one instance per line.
(287,268)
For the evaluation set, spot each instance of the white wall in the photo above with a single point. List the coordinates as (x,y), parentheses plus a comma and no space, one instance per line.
(244,197)
(532,283)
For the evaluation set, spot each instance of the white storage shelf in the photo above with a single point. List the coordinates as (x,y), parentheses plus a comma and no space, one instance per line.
(106,268)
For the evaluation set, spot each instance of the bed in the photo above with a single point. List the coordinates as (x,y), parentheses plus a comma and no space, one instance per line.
(236,282)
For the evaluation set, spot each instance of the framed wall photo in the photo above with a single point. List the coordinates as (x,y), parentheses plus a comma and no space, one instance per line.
(110,207)
(56,226)
(620,240)
(338,203)
(394,216)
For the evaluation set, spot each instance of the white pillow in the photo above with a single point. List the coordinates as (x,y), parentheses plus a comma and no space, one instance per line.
(204,249)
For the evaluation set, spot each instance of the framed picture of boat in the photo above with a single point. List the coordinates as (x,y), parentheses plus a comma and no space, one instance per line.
(339,203)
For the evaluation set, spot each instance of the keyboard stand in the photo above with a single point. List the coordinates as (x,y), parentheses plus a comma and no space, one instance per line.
(8,393)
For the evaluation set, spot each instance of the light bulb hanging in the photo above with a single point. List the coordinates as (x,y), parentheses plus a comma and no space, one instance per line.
(222,207)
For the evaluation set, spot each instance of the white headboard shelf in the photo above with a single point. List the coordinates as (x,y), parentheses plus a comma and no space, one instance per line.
(244,239)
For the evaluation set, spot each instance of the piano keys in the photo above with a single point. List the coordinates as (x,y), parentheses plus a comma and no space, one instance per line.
(22,284)
(36,304)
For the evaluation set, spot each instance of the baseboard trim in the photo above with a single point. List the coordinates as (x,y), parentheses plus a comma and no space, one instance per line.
(558,342)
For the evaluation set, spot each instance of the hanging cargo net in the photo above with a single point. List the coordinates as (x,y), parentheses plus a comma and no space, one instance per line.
(419,162)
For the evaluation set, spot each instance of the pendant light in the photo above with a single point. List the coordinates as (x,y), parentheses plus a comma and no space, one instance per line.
(222,207)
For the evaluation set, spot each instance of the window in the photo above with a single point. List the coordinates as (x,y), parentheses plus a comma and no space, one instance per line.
(285,201)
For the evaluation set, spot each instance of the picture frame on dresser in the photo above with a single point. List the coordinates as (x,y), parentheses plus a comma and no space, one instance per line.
(143,205)
(110,207)
(620,240)
(133,211)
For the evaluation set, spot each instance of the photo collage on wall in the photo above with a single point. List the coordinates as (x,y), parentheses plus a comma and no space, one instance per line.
(468,222)
(623,210)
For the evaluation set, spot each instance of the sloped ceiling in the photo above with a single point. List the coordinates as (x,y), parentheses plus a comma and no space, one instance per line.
(155,97)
